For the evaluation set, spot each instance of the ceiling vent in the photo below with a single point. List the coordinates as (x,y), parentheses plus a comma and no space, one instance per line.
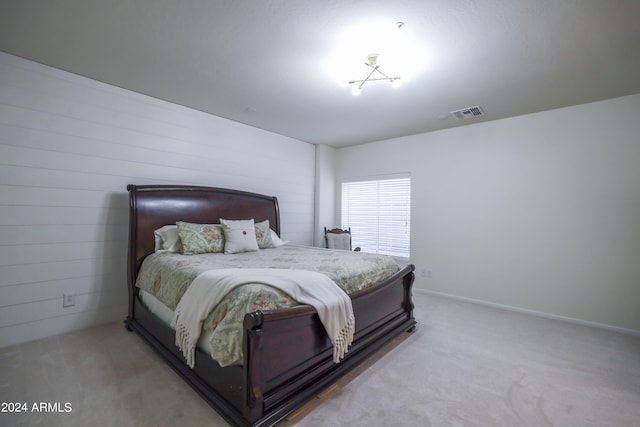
(468,113)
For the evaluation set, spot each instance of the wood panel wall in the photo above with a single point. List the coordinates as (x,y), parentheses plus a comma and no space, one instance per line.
(68,148)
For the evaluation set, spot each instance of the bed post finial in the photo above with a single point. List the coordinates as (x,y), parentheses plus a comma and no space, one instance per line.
(253,320)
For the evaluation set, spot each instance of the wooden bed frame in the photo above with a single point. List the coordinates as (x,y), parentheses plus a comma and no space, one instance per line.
(287,354)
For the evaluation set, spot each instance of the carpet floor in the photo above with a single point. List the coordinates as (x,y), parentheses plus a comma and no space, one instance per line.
(465,365)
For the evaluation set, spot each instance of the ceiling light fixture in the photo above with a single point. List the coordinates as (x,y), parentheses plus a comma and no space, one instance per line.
(373,71)
(373,74)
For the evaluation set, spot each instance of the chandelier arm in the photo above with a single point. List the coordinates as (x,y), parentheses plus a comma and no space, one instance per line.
(371,76)
(386,77)
(374,80)
(369,79)
(366,79)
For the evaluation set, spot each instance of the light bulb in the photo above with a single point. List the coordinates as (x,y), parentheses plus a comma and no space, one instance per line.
(395,83)
(356,90)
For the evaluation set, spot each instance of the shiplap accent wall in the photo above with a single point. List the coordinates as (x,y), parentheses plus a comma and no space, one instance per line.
(69,146)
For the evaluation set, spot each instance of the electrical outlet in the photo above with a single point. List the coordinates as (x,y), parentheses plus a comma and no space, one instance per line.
(68,300)
(426,272)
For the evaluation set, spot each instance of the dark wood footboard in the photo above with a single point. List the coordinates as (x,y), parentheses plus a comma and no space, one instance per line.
(289,358)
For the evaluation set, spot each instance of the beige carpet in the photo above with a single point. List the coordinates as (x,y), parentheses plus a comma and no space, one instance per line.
(466,365)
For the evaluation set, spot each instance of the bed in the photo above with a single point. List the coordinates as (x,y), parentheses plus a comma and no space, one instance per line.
(286,355)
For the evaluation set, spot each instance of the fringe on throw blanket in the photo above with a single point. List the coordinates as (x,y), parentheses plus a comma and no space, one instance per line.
(343,340)
(184,342)
(307,287)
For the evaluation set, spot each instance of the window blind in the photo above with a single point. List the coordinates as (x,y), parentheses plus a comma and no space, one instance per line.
(379,214)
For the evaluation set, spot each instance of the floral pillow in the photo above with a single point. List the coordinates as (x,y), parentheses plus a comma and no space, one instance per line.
(201,238)
(263,234)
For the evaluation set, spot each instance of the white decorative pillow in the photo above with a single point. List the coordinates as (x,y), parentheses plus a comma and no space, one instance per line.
(239,236)
(275,240)
(167,239)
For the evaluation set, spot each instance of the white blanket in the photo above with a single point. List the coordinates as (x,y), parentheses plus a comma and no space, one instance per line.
(306,287)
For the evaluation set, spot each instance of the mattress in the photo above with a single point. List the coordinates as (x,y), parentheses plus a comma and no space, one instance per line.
(166,277)
(166,315)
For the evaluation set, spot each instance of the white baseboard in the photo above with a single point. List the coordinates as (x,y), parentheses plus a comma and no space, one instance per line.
(531,312)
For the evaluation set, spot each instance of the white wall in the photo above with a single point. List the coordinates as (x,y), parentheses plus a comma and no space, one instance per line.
(325,192)
(68,148)
(538,212)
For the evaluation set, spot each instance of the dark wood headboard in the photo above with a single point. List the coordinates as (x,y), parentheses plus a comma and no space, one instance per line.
(153,206)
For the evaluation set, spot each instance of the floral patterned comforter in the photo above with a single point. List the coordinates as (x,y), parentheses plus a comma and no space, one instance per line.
(168,275)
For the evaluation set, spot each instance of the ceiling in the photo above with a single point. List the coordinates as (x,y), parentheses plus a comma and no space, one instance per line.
(267,63)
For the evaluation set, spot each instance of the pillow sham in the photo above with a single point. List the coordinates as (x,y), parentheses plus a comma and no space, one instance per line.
(239,236)
(167,239)
(275,240)
(201,238)
(263,235)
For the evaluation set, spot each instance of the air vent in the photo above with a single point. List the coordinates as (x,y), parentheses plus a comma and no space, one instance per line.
(468,113)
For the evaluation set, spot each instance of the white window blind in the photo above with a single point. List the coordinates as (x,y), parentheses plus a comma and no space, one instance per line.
(379,214)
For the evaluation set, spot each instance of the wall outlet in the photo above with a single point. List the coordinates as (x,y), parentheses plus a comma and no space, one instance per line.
(68,300)
(426,272)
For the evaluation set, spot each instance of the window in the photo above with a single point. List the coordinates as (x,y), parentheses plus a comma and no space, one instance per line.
(379,214)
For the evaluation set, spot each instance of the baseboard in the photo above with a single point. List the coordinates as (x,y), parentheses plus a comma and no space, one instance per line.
(531,312)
